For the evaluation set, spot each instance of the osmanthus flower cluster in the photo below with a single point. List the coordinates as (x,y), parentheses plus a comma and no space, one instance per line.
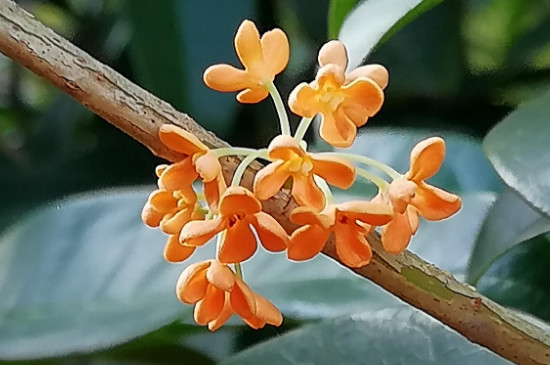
(344,100)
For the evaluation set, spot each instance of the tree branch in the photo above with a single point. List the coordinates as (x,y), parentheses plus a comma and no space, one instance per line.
(140,114)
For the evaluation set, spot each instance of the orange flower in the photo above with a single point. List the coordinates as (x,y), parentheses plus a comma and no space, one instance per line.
(200,162)
(344,104)
(238,209)
(410,196)
(262,59)
(171,211)
(218,293)
(350,222)
(334,52)
(290,160)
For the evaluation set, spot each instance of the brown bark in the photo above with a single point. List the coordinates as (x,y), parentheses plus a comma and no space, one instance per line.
(140,114)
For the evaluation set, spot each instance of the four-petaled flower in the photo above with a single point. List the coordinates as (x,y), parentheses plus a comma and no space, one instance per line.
(262,59)
(171,210)
(290,160)
(410,196)
(238,210)
(350,222)
(199,162)
(218,293)
(343,104)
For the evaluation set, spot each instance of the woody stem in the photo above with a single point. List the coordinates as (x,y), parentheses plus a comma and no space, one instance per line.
(244,164)
(227,151)
(281,111)
(367,161)
(302,128)
(375,179)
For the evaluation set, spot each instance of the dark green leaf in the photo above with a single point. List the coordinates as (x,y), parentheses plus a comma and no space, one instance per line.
(372,19)
(391,336)
(518,149)
(338,11)
(510,221)
(172,45)
(519,279)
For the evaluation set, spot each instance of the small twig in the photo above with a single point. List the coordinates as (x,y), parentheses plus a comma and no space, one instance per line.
(140,114)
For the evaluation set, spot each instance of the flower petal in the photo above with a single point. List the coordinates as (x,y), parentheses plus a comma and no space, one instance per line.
(174,251)
(435,204)
(239,243)
(396,235)
(307,193)
(248,47)
(266,313)
(207,166)
(426,159)
(270,179)
(220,276)
(284,147)
(242,299)
(179,140)
(365,94)
(336,171)
(331,74)
(224,316)
(210,307)
(307,215)
(306,242)
(333,52)
(226,78)
(191,286)
(272,236)
(413,218)
(150,216)
(303,101)
(275,50)
(213,191)
(336,129)
(173,223)
(162,200)
(377,73)
(197,233)
(252,95)
(239,200)
(351,245)
(400,193)
(178,176)
(375,214)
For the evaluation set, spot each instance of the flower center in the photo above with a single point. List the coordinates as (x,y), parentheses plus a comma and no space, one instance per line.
(235,218)
(300,165)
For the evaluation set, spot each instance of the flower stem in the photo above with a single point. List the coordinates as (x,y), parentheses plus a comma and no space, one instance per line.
(281,111)
(239,270)
(302,129)
(226,151)
(367,161)
(325,189)
(375,179)
(244,164)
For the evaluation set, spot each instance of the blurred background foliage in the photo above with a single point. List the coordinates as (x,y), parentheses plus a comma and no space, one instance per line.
(457,68)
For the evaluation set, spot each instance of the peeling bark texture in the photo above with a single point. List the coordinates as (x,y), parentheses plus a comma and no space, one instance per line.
(140,114)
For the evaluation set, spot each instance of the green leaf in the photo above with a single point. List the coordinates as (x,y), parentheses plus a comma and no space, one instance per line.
(465,167)
(81,275)
(518,149)
(519,279)
(510,221)
(173,43)
(338,10)
(85,274)
(371,20)
(390,336)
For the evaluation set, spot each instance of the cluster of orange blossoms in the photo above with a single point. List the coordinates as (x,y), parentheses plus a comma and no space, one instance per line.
(344,101)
